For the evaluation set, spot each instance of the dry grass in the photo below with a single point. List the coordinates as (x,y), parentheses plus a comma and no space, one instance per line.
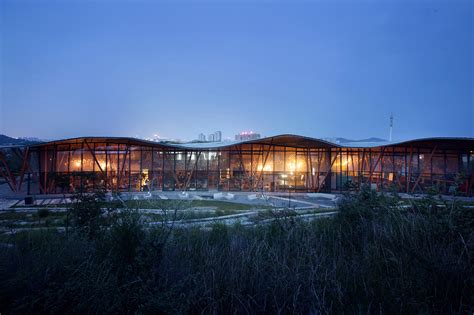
(372,257)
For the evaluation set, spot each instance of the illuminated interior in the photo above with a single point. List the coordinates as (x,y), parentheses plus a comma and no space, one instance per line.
(277,164)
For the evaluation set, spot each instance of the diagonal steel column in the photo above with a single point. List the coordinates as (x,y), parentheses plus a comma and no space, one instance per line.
(423,170)
(7,173)
(329,171)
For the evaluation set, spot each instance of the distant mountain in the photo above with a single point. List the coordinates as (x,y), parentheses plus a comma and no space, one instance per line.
(372,139)
(6,140)
(344,140)
(32,139)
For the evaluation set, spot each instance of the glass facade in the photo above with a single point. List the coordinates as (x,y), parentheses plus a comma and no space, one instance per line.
(121,165)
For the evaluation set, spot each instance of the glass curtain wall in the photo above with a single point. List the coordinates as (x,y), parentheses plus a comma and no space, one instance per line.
(87,166)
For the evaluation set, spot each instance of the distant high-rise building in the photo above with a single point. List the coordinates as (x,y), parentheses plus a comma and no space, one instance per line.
(218,136)
(247,135)
(212,137)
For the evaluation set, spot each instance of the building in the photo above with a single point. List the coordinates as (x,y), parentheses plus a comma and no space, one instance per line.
(247,135)
(284,163)
(211,137)
(218,136)
(201,137)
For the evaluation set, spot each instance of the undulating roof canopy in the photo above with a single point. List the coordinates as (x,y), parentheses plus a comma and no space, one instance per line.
(281,140)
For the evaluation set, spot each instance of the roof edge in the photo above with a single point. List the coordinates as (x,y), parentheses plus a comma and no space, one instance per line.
(264,140)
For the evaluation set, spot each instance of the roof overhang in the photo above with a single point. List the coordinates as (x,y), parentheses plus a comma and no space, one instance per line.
(454,143)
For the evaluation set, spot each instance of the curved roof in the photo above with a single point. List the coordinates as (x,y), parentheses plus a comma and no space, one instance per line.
(282,140)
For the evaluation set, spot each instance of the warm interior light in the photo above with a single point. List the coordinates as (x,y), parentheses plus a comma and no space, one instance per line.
(299,166)
(349,160)
(344,163)
(144,177)
(77,163)
(266,168)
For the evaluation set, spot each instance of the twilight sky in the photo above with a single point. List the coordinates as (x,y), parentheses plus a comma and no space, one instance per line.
(321,69)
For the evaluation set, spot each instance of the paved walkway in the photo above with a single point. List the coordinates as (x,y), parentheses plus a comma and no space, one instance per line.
(5,204)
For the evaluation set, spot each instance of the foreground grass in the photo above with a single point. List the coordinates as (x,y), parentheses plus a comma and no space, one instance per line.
(190,215)
(166,204)
(185,204)
(14,219)
(371,257)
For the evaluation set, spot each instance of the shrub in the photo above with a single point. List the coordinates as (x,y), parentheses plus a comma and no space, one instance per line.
(42,213)
(90,214)
(373,256)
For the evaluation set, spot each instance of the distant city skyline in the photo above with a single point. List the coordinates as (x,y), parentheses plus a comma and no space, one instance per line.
(224,138)
(318,69)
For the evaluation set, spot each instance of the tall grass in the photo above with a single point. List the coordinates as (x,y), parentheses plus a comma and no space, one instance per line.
(374,256)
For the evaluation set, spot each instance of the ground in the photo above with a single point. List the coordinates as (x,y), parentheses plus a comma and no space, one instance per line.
(192,208)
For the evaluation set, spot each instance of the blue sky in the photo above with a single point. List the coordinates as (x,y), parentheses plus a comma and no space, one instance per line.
(321,69)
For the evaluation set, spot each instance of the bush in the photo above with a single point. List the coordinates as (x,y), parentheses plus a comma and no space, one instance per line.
(42,213)
(373,256)
(91,215)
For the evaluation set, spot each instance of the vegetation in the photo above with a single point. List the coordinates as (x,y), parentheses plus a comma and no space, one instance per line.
(41,218)
(372,257)
(42,214)
(165,204)
(190,215)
